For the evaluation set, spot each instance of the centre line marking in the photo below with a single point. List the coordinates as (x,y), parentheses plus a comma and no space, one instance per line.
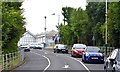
(66,66)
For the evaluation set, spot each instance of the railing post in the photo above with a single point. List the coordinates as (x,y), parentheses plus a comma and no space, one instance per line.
(19,56)
(13,58)
(3,61)
(9,62)
(6,66)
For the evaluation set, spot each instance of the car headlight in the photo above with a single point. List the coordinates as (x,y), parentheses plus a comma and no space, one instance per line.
(87,54)
(101,54)
(76,51)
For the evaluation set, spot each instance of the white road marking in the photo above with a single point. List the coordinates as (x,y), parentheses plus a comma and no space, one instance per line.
(80,63)
(66,66)
(57,54)
(46,53)
(49,63)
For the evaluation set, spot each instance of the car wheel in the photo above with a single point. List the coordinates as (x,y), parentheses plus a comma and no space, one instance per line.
(102,62)
(105,69)
(72,55)
(82,60)
(67,52)
(113,70)
(57,51)
(54,51)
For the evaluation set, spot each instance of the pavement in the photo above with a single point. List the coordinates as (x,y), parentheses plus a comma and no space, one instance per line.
(51,47)
(0,68)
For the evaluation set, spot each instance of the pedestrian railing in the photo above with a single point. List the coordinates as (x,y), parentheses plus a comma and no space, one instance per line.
(10,60)
(109,50)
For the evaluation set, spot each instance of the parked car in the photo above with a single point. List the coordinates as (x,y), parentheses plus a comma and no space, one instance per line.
(77,50)
(92,54)
(112,63)
(36,46)
(60,48)
(25,47)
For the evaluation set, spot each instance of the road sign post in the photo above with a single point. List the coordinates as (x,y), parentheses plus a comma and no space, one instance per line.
(93,39)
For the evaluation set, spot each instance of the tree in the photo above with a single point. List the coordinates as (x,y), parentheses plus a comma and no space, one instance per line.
(96,14)
(12,26)
(75,31)
(114,24)
(79,22)
(66,12)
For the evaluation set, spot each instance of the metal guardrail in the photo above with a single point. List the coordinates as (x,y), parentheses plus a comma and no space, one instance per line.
(10,60)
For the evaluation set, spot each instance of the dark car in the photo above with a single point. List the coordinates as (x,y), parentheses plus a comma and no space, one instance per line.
(60,48)
(36,46)
(92,54)
(112,63)
(25,47)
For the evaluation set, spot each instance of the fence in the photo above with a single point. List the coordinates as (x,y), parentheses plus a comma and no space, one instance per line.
(109,49)
(10,60)
(103,49)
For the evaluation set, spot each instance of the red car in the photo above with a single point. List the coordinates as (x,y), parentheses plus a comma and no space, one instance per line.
(77,50)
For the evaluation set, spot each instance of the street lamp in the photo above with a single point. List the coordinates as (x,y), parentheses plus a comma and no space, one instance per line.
(58,18)
(58,26)
(106,29)
(45,29)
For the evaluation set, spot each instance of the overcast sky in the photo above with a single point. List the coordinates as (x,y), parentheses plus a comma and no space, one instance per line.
(35,10)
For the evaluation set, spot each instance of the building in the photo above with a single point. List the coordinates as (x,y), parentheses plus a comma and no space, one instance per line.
(28,38)
(50,37)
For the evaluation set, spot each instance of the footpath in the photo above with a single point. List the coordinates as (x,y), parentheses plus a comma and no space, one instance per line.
(0,68)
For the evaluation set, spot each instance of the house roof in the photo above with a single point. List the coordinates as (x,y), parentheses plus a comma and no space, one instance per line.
(30,33)
(48,33)
(51,33)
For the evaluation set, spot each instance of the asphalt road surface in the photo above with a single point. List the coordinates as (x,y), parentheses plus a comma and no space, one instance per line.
(45,60)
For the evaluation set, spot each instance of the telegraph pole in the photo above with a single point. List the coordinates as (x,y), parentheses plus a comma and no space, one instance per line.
(58,41)
(45,29)
(106,29)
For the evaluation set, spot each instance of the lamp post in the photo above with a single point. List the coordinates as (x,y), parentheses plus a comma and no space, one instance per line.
(45,30)
(106,29)
(58,26)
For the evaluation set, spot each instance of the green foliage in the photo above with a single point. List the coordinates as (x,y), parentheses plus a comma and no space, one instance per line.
(96,14)
(75,31)
(114,24)
(67,13)
(83,24)
(12,26)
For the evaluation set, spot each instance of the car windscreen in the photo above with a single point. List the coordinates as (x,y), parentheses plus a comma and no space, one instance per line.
(79,47)
(92,50)
(61,46)
(119,55)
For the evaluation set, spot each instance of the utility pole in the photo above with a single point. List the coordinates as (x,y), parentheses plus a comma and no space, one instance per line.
(58,28)
(106,29)
(45,30)
(58,41)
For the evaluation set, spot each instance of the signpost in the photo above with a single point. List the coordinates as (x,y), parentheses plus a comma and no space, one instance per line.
(93,38)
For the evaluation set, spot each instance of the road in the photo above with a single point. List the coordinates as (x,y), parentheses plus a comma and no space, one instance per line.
(46,60)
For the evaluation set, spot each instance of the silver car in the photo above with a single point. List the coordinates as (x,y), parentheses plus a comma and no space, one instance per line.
(60,48)
(112,63)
